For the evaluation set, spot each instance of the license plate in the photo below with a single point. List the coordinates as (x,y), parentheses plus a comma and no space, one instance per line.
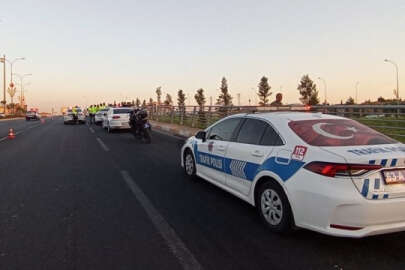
(394,176)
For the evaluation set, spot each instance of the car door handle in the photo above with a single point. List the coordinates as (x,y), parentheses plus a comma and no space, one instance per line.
(221,148)
(257,153)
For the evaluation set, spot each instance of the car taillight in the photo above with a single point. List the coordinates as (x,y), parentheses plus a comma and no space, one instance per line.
(340,169)
(116,117)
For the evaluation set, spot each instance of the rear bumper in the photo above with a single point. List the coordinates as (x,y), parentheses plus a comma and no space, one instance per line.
(119,125)
(373,217)
(338,202)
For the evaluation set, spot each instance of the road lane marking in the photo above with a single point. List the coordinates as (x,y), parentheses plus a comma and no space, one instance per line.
(105,147)
(176,245)
(91,129)
(20,132)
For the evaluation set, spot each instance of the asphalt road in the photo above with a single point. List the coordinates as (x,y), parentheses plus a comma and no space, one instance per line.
(74,197)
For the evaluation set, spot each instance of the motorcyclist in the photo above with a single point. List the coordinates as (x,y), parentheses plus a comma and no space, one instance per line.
(138,120)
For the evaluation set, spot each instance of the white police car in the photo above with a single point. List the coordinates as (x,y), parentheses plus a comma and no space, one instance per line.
(321,172)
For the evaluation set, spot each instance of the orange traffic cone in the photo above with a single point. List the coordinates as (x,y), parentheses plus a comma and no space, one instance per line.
(11,134)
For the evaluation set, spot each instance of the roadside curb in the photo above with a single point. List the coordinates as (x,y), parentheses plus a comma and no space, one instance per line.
(10,119)
(173,129)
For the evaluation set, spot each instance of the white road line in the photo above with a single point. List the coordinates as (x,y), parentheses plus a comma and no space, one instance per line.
(176,245)
(105,147)
(91,129)
(3,139)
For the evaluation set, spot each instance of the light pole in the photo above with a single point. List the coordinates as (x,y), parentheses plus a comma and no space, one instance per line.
(396,68)
(21,77)
(357,90)
(11,65)
(325,87)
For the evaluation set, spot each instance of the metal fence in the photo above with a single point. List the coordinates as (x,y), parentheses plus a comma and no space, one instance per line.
(389,119)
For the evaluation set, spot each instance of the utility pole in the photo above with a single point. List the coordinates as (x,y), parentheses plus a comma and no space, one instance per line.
(238,99)
(397,71)
(357,90)
(4,82)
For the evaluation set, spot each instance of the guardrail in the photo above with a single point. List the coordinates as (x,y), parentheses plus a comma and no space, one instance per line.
(389,119)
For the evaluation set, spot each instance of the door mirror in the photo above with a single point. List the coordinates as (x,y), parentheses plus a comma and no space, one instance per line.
(104,114)
(201,135)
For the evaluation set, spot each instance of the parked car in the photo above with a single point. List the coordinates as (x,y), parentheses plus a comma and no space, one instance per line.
(32,115)
(321,172)
(117,118)
(68,117)
(100,116)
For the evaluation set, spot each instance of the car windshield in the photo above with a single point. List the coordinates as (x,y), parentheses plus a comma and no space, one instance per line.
(121,111)
(337,132)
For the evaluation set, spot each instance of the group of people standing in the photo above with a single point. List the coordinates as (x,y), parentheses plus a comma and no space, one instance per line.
(93,109)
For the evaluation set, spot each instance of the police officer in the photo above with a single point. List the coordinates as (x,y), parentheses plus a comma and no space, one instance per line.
(74,111)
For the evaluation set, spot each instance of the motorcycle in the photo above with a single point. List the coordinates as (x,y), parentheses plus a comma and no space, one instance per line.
(140,126)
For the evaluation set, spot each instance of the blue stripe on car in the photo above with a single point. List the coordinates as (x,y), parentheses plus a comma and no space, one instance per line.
(364,190)
(248,170)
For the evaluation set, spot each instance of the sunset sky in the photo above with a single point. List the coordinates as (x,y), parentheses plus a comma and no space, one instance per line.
(83,52)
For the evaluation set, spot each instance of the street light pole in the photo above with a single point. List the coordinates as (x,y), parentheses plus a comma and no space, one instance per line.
(396,68)
(325,87)
(11,66)
(21,77)
(357,90)
(4,83)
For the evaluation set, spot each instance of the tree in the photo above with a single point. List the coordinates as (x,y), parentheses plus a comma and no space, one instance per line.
(224,98)
(264,91)
(200,98)
(159,94)
(308,92)
(350,101)
(381,100)
(144,103)
(168,100)
(137,102)
(150,101)
(181,98)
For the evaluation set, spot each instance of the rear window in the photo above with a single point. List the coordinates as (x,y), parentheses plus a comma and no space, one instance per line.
(337,132)
(119,111)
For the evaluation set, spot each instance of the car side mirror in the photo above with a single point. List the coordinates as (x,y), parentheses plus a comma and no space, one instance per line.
(201,135)
(104,114)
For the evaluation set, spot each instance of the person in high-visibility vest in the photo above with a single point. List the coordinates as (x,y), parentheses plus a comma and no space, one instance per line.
(74,112)
(91,114)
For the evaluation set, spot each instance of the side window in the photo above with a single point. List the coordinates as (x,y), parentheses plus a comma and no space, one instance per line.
(271,138)
(251,131)
(223,131)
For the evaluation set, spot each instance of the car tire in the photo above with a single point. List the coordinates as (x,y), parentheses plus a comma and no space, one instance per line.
(189,164)
(274,208)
